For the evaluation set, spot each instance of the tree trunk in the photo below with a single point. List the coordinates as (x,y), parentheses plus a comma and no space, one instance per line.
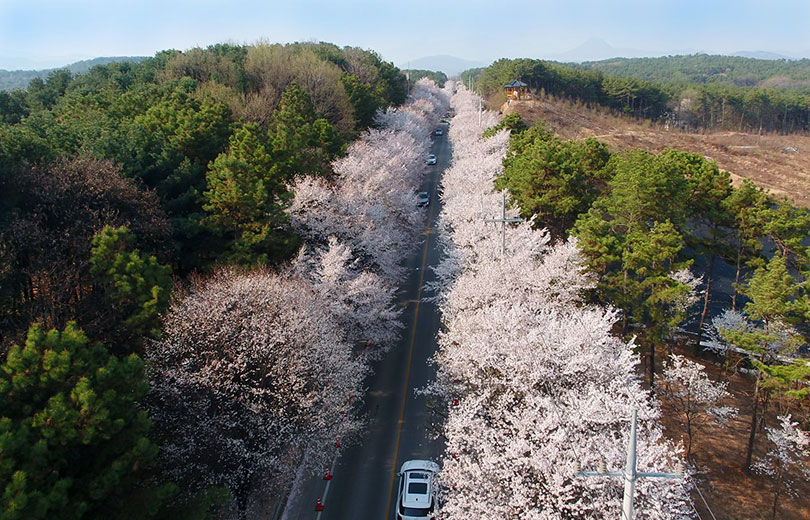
(29,289)
(624,295)
(688,439)
(652,367)
(737,274)
(753,433)
(777,485)
(705,300)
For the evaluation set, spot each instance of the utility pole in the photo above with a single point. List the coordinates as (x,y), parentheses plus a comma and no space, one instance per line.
(503,220)
(629,474)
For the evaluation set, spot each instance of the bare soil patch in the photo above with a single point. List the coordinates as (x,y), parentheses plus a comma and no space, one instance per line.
(779,163)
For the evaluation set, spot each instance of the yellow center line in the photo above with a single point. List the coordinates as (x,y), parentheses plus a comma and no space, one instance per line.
(410,353)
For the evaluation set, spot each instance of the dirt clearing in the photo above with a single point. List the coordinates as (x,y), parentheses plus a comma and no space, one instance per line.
(779,163)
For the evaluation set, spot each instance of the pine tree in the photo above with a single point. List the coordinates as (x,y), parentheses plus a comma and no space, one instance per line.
(744,204)
(303,142)
(708,188)
(654,287)
(136,286)
(246,197)
(73,440)
(771,290)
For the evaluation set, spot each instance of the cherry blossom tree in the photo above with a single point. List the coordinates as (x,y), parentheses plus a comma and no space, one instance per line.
(727,320)
(252,371)
(255,377)
(371,205)
(361,301)
(694,397)
(788,456)
(530,374)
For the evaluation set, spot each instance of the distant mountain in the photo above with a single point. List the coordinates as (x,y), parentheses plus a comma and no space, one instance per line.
(596,49)
(450,65)
(706,68)
(762,55)
(14,79)
(28,62)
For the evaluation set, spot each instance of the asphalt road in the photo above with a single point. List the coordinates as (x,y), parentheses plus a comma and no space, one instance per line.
(364,480)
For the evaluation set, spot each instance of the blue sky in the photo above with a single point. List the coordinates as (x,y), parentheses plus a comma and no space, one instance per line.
(57,32)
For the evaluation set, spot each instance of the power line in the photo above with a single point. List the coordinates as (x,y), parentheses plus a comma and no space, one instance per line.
(704,502)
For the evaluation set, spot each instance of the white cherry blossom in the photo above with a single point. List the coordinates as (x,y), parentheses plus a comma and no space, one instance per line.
(531,375)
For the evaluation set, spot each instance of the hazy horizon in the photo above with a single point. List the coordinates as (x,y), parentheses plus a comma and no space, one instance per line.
(55,33)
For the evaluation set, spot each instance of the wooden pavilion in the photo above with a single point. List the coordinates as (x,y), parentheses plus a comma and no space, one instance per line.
(516,90)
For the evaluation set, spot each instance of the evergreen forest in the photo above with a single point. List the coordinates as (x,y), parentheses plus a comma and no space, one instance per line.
(688,92)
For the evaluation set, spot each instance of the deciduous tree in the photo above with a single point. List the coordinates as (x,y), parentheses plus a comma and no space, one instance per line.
(791,448)
(47,239)
(530,376)
(371,205)
(361,301)
(694,397)
(251,372)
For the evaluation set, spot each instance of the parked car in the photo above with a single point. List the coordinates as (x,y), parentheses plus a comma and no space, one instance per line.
(422,199)
(416,495)
(431,159)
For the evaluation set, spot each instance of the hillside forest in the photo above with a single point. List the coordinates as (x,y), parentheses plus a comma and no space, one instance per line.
(416,74)
(656,229)
(141,199)
(20,79)
(705,68)
(688,92)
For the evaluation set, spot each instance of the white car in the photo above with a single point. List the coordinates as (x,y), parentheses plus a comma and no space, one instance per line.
(422,199)
(416,498)
(431,159)
(439,131)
